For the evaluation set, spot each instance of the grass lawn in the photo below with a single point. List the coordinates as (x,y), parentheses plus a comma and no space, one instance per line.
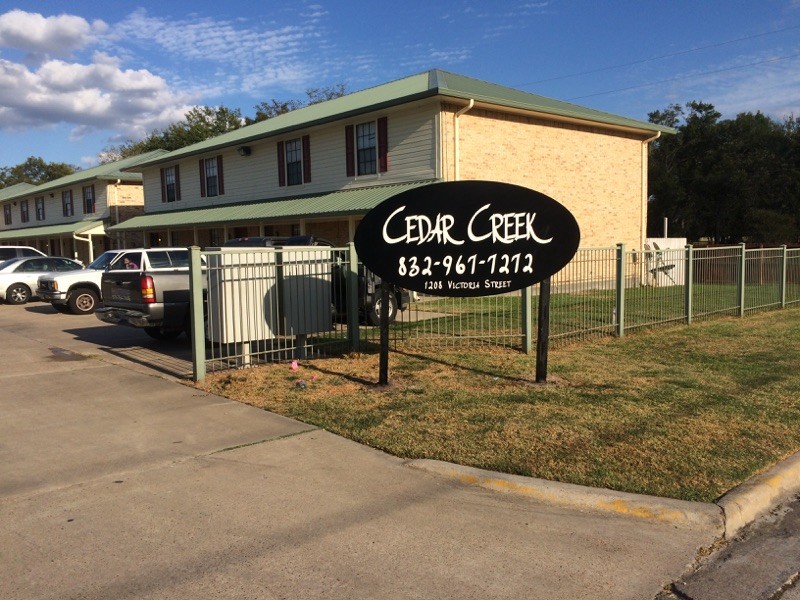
(684,412)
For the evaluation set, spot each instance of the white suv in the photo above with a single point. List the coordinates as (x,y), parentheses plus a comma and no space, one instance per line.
(77,292)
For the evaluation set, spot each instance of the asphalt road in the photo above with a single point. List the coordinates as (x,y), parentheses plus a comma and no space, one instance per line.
(119,481)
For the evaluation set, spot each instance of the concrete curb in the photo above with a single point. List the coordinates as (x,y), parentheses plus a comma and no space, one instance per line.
(678,512)
(728,515)
(760,494)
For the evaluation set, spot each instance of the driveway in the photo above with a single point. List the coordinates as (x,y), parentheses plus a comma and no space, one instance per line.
(118,481)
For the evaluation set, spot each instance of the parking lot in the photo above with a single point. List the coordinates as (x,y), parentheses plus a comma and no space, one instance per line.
(116,481)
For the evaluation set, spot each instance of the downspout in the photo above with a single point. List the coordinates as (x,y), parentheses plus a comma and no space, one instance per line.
(116,211)
(456,173)
(644,187)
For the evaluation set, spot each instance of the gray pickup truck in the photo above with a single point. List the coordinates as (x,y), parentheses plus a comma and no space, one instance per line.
(148,289)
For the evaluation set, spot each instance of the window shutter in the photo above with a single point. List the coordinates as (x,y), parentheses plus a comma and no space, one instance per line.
(281,165)
(202,178)
(220,179)
(383,144)
(94,200)
(350,151)
(306,159)
(177,183)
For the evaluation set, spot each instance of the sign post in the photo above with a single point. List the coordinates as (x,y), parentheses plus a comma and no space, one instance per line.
(465,238)
(543,331)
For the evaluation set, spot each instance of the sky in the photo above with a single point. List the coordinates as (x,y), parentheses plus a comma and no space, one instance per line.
(79,76)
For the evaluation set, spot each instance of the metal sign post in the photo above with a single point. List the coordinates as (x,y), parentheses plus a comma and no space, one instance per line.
(543,331)
(462,239)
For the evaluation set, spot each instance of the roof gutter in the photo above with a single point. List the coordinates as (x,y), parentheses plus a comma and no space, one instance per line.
(457,170)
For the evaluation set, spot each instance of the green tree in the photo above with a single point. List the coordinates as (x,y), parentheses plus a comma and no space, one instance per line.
(274,108)
(725,181)
(34,170)
(199,124)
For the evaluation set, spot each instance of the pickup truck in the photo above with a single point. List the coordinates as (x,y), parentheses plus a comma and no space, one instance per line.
(148,288)
(77,292)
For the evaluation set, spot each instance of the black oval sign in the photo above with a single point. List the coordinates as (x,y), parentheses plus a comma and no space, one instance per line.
(467,238)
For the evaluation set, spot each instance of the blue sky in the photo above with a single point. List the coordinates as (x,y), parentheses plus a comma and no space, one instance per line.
(78,76)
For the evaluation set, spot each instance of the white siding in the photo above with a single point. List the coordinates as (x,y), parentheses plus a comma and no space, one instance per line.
(412,156)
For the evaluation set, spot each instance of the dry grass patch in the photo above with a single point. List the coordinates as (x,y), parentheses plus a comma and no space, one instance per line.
(685,412)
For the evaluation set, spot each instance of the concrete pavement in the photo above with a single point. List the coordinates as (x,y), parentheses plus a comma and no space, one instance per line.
(116,481)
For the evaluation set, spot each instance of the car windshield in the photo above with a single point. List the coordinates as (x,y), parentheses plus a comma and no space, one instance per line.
(102,261)
(7,263)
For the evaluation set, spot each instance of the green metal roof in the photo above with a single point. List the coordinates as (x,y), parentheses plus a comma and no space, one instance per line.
(424,85)
(328,204)
(14,191)
(50,230)
(107,172)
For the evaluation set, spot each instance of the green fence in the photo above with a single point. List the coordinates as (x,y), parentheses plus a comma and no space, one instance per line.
(601,292)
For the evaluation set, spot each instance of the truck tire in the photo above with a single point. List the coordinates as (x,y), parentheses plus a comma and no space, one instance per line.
(159,334)
(18,293)
(374,311)
(82,301)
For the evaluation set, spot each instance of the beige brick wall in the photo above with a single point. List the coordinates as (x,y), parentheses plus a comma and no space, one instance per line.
(595,173)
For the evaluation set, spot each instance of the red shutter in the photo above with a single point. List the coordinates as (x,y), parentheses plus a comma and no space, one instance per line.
(306,159)
(220,178)
(350,150)
(202,178)
(177,183)
(281,165)
(383,145)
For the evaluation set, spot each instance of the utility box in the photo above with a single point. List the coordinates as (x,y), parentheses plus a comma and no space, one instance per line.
(265,293)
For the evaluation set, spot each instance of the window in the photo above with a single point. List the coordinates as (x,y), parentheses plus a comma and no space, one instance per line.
(24,211)
(367,148)
(170,184)
(7,213)
(211,182)
(39,208)
(66,203)
(88,200)
(294,161)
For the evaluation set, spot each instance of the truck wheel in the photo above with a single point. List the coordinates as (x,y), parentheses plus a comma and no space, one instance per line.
(18,293)
(374,312)
(82,301)
(159,334)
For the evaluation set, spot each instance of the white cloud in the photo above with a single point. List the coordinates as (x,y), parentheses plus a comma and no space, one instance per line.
(249,52)
(91,97)
(40,35)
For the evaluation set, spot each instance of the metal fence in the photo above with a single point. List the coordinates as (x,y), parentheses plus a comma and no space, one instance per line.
(278,304)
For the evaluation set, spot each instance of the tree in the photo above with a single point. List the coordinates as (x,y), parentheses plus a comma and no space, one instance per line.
(274,108)
(199,124)
(725,181)
(35,171)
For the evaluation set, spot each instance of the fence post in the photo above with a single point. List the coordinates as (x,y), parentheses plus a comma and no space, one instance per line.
(742,278)
(527,319)
(620,296)
(784,274)
(351,293)
(196,314)
(689,274)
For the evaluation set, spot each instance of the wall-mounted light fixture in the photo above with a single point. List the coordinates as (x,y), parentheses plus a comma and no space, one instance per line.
(52,195)
(243,150)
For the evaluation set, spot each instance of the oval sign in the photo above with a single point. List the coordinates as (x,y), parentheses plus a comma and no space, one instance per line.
(467,238)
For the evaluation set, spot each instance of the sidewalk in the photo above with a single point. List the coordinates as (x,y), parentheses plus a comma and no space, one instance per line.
(116,482)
